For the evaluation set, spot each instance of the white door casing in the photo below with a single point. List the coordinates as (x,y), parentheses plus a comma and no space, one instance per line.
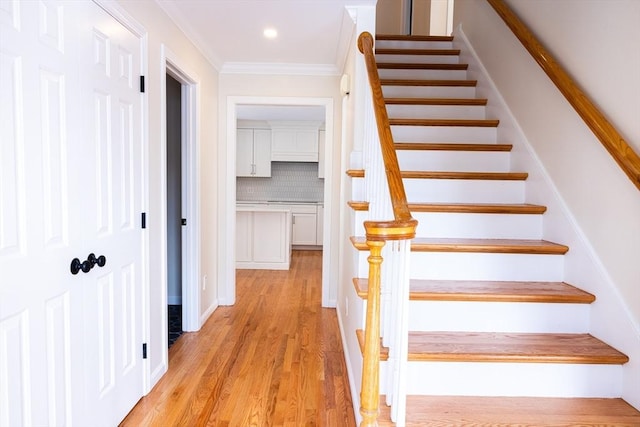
(72,180)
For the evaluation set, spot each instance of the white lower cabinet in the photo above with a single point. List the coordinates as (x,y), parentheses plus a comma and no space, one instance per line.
(320,225)
(304,228)
(263,239)
(304,218)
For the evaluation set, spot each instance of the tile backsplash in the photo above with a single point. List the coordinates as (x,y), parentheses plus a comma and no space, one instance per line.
(289,182)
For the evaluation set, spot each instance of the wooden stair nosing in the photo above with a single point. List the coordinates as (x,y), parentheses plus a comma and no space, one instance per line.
(411,37)
(526,209)
(486,176)
(446,146)
(417,52)
(428,82)
(467,102)
(440,411)
(488,291)
(421,66)
(507,348)
(495,246)
(445,122)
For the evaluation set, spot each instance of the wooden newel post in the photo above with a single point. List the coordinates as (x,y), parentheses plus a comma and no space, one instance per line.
(370,390)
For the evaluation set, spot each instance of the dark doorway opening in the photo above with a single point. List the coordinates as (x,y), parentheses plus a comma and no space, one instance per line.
(174,208)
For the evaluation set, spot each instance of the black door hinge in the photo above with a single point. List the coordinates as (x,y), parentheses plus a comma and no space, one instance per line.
(144,350)
(144,220)
(141,84)
(183,221)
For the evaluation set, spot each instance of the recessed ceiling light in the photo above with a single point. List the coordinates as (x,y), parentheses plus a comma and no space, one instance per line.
(270,33)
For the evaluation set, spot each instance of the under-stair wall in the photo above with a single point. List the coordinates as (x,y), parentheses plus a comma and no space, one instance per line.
(592,207)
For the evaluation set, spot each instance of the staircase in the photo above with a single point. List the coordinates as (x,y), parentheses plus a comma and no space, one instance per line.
(489,313)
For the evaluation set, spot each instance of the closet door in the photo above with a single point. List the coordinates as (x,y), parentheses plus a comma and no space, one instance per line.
(110,60)
(71,180)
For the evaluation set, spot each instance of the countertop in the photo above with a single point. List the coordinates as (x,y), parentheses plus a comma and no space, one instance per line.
(276,202)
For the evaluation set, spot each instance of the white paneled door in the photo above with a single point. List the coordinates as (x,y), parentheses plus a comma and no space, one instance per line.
(71,180)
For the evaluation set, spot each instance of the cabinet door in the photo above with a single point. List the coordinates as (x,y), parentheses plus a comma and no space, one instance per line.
(321,142)
(269,236)
(262,152)
(304,229)
(307,142)
(294,145)
(319,225)
(244,239)
(244,152)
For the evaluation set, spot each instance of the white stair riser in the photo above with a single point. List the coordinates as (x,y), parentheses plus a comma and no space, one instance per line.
(462,134)
(463,191)
(392,91)
(517,317)
(454,191)
(418,59)
(514,379)
(486,266)
(459,161)
(412,74)
(479,266)
(471,225)
(413,44)
(436,112)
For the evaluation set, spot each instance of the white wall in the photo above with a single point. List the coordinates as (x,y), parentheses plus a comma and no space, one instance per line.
(161,30)
(605,203)
(595,208)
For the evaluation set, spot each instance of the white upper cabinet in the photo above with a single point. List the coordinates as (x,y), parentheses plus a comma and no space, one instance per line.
(294,141)
(321,144)
(253,152)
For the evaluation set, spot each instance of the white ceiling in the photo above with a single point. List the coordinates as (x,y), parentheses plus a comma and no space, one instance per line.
(313,35)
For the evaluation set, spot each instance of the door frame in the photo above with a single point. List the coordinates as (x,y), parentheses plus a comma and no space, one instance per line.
(227,207)
(172,64)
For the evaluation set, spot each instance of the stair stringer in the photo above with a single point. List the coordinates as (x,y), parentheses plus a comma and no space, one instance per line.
(610,318)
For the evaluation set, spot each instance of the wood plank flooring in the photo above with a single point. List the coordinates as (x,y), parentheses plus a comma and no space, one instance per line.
(273,359)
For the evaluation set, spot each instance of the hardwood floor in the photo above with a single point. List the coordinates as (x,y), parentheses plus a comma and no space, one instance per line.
(273,359)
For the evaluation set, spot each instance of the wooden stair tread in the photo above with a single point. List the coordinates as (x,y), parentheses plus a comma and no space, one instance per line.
(409,51)
(494,176)
(437,101)
(400,37)
(478,208)
(444,122)
(417,82)
(448,146)
(467,411)
(464,208)
(507,348)
(421,66)
(509,246)
(488,291)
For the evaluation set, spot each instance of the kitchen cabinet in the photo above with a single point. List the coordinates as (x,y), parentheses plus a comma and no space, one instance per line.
(304,223)
(253,153)
(319,224)
(263,238)
(304,228)
(321,141)
(294,142)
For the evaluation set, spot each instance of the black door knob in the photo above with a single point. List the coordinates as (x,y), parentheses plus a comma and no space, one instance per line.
(100,260)
(76,266)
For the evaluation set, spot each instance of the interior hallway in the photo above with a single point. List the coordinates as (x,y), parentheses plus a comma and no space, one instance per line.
(273,359)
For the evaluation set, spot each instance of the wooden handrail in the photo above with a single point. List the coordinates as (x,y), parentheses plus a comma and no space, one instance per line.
(615,144)
(392,169)
(402,227)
